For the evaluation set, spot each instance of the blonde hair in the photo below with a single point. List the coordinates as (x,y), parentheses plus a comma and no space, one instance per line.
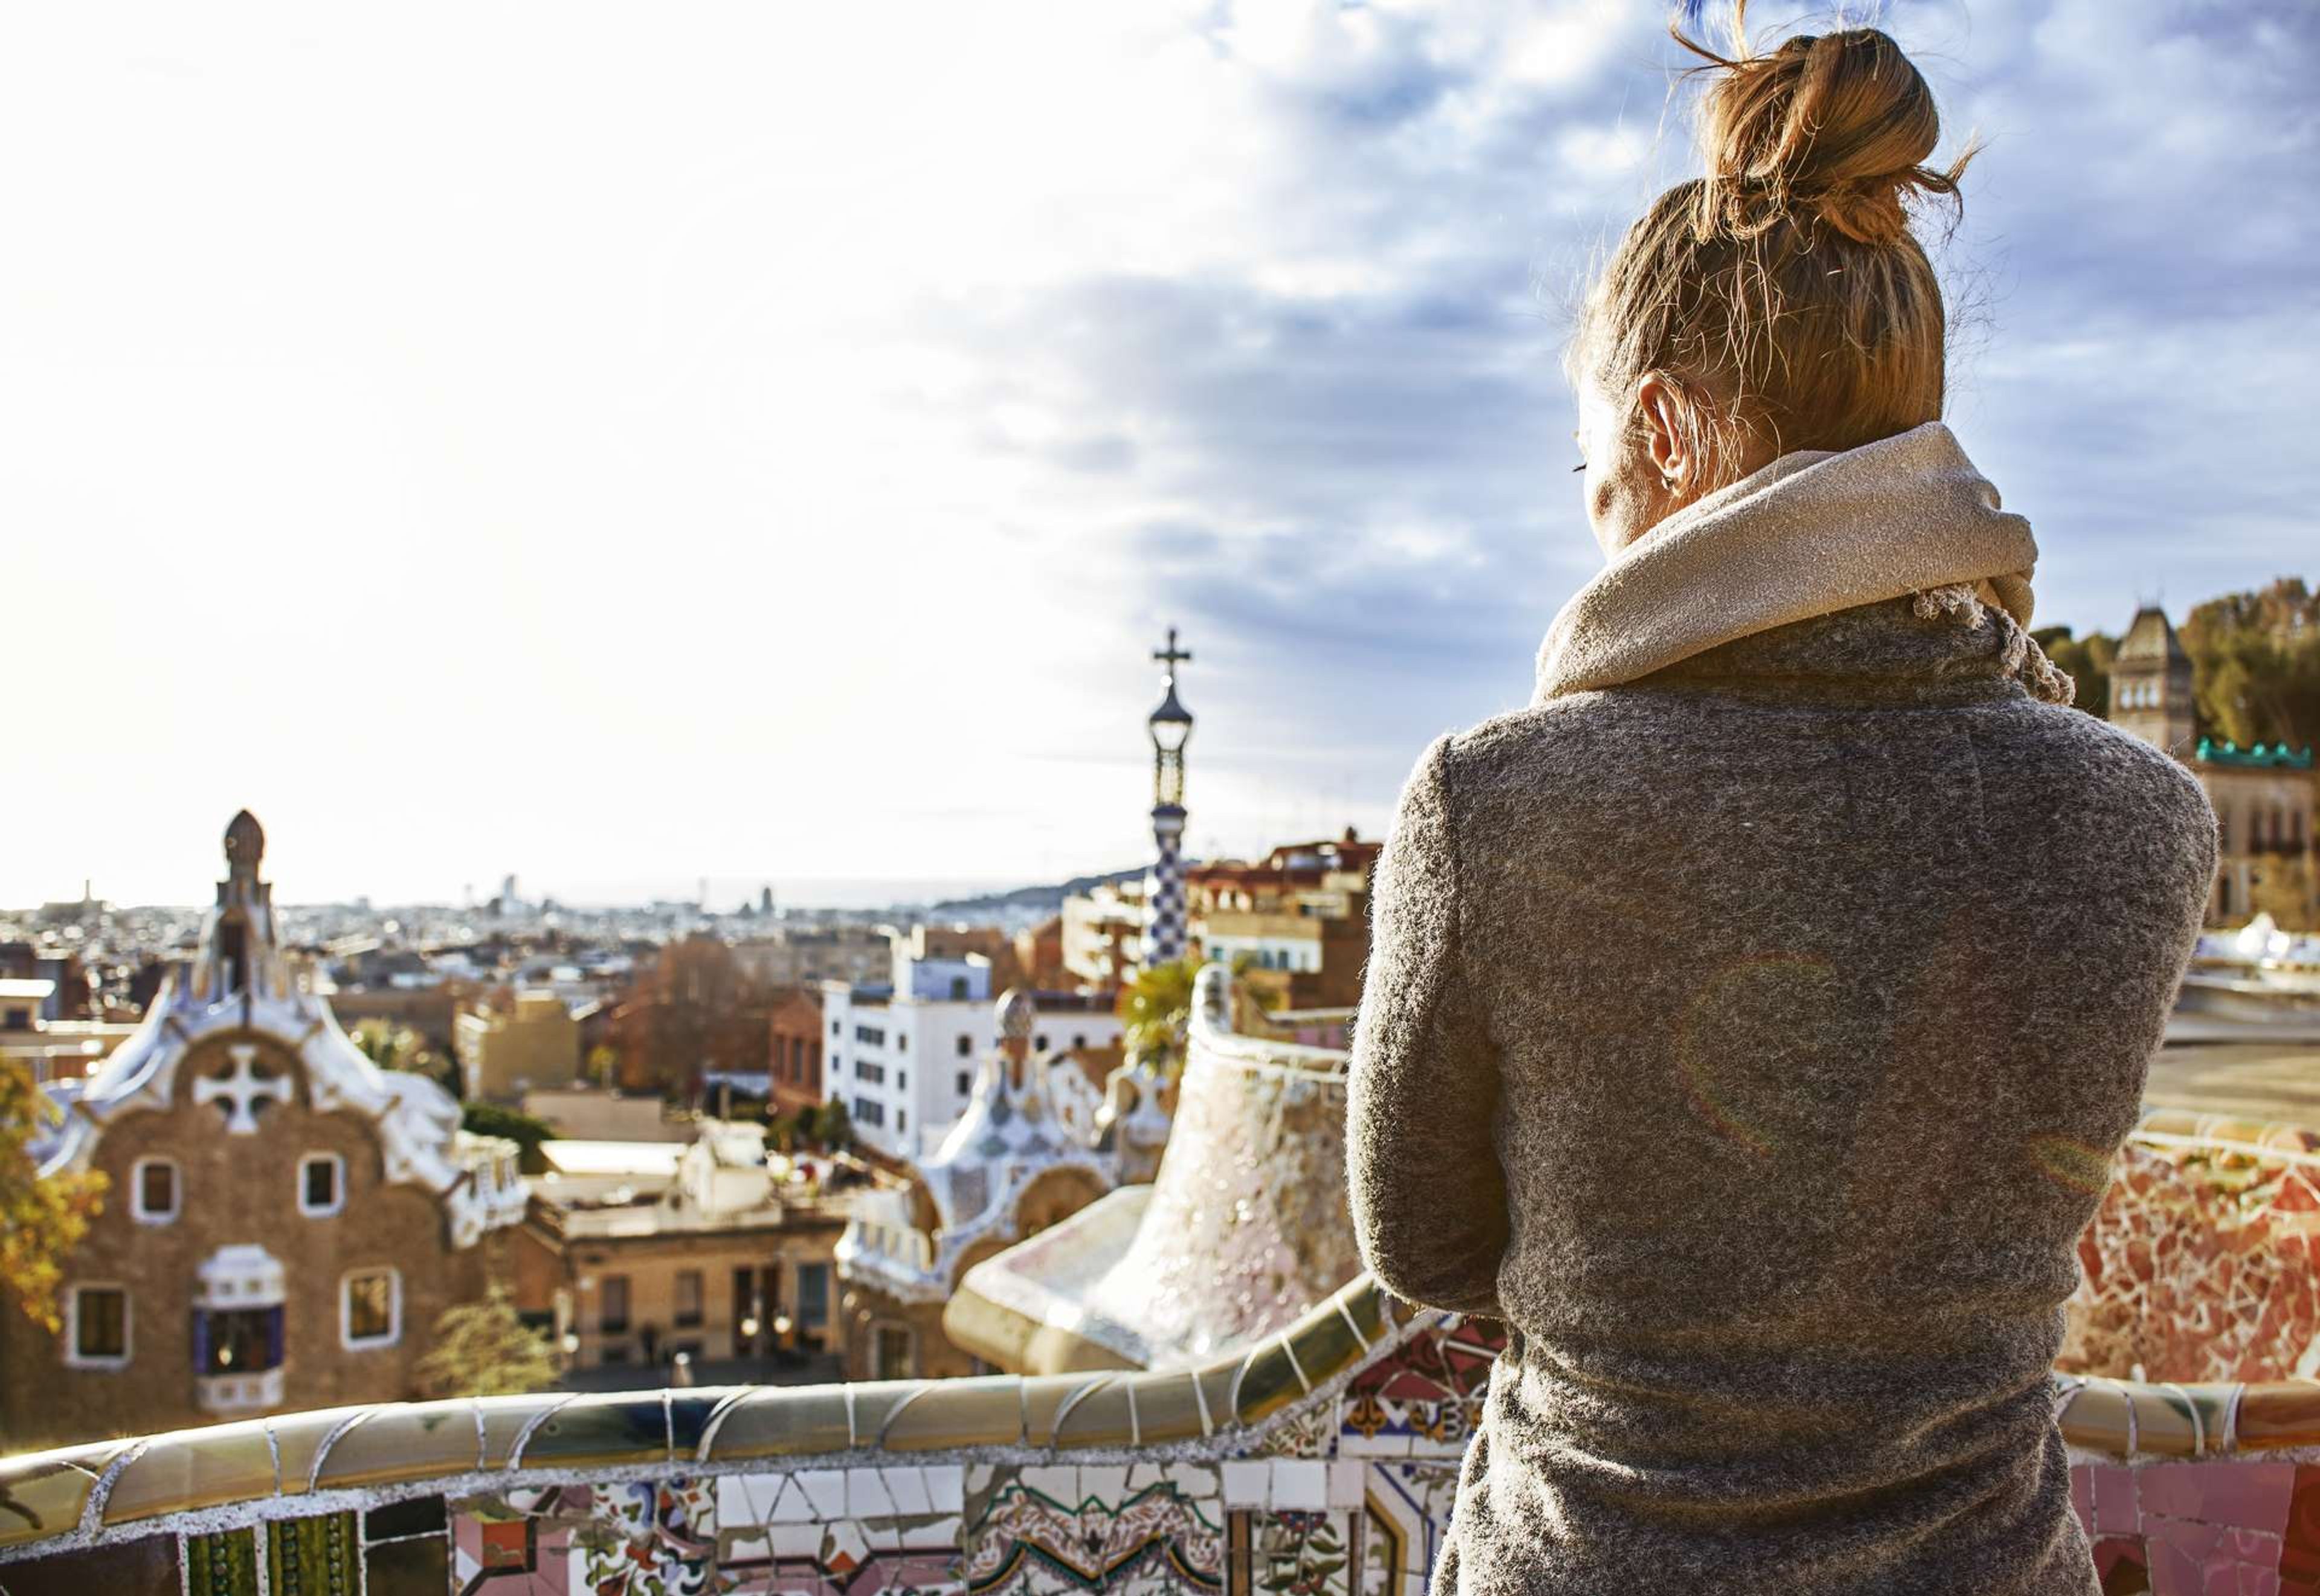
(1784,293)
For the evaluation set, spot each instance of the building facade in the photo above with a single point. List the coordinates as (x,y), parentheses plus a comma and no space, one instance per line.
(1101,934)
(284,1220)
(794,1052)
(901,1055)
(806,955)
(2263,796)
(523,1041)
(1296,922)
(1012,1163)
(731,1264)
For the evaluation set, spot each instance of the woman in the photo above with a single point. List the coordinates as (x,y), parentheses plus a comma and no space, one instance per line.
(1751,1018)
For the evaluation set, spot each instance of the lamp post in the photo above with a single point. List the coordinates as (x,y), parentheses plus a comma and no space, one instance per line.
(1170,727)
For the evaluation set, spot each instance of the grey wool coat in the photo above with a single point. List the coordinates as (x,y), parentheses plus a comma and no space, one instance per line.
(1751,1039)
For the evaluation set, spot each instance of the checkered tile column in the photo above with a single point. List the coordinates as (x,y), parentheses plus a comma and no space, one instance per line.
(1163,890)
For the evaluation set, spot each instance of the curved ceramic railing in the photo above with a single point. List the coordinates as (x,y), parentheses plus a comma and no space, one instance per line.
(1346,1425)
(1323,1392)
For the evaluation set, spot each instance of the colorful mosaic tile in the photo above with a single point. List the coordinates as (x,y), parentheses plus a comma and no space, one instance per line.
(1347,1494)
(1027,1542)
(221,1564)
(517,1542)
(1424,1397)
(649,1538)
(313,1557)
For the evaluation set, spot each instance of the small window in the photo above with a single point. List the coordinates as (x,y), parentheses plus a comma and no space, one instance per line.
(321,1183)
(688,1297)
(891,1354)
(1079,1039)
(813,1294)
(901,1121)
(966,1047)
(236,1340)
(833,1028)
(958,989)
(98,1336)
(153,1190)
(901,1041)
(612,1306)
(965,1083)
(1039,1043)
(371,1307)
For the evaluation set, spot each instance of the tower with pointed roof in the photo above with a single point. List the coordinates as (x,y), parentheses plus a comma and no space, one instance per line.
(282,1220)
(1170,727)
(2151,690)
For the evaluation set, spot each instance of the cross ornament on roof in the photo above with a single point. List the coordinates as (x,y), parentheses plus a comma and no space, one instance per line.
(1172,656)
(243,1090)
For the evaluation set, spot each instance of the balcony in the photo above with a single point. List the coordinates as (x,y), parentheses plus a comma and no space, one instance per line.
(1318,1452)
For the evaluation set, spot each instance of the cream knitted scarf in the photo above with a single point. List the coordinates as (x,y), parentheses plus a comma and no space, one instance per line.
(1815,531)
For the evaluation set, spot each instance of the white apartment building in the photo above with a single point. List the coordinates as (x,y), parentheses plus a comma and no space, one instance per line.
(901,1054)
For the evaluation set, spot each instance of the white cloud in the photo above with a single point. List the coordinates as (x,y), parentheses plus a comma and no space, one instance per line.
(762,440)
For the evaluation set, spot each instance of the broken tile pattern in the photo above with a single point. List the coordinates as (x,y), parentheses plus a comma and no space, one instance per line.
(1425,1397)
(2203,1263)
(647,1538)
(1349,1494)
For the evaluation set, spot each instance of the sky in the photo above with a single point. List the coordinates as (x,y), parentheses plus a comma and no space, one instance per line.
(623,446)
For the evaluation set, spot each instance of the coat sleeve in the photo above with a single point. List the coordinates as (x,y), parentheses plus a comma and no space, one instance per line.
(1428,1197)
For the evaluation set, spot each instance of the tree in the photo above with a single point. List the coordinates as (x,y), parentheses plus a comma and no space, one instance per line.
(484,1350)
(40,1221)
(1155,1012)
(390,1046)
(833,1128)
(526,1131)
(2256,657)
(604,1065)
(2087,660)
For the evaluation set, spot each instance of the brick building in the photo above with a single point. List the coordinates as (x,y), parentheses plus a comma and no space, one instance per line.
(1299,918)
(283,1219)
(794,1048)
(2264,796)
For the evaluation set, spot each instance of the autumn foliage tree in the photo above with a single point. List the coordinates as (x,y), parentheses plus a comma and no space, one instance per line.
(2256,657)
(485,1349)
(40,1221)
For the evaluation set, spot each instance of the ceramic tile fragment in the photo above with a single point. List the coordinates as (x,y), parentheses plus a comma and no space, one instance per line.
(825,1490)
(1195,1479)
(1247,1483)
(866,1496)
(1301,1483)
(747,1499)
(908,1489)
(803,1539)
(145,1567)
(1058,1484)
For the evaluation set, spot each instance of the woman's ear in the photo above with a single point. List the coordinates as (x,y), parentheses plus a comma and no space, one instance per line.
(1661,404)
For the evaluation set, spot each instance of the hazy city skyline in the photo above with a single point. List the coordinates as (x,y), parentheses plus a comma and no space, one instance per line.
(767,446)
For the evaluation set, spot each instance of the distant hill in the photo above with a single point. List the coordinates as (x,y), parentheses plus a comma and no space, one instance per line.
(1048,900)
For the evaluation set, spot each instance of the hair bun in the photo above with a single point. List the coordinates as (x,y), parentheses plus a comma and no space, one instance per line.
(1836,126)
